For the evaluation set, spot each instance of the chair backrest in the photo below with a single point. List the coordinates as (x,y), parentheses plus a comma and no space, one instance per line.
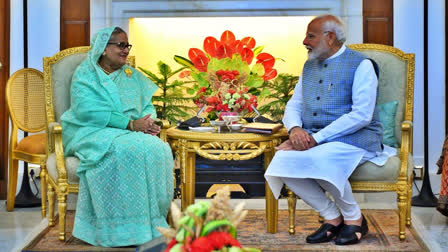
(25,99)
(396,79)
(58,72)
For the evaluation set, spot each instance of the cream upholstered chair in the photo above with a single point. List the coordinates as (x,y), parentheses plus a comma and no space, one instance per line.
(396,83)
(26,105)
(61,178)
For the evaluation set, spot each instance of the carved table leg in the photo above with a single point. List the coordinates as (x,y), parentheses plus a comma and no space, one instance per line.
(271,202)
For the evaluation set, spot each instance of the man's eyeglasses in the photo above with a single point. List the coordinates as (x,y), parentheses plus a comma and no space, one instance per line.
(121,45)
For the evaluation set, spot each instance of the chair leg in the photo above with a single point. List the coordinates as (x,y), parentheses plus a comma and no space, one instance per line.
(408,210)
(402,192)
(43,188)
(51,202)
(62,208)
(292,201)
(12,183)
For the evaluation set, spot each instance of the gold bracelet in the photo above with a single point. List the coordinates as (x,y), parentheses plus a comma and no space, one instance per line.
(131,125)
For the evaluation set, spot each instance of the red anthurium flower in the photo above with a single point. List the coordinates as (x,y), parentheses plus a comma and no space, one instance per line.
(171,244)
(193,53)
(227,37)
(201,62)
(224,51)
(232,91)
(266,60)
(212,99)
(211,46)
(237,46)
(201,244)
(221,239)
(247,55)
(269,74)
(248,42)
(184,74)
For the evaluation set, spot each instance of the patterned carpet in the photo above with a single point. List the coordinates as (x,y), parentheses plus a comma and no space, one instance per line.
(382,236)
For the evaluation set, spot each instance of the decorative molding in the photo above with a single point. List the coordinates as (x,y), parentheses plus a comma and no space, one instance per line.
(229,151)
(118,12)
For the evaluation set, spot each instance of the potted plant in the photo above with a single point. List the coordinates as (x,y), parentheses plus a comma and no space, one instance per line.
(280,92)
(171,104)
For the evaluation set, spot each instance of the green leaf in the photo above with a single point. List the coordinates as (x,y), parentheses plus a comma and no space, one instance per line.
(191,91)
(219,64)
(238,64)
(280,59)
(175,72)
(201,78)
(164,69)
(265,92)
(150,75)
(254,81)
(258,50)
(184,62)
(258,69)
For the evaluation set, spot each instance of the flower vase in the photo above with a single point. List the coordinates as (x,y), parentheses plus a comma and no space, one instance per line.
(224,113)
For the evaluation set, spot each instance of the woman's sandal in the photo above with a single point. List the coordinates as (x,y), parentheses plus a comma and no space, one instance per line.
(348,235)
(321,235)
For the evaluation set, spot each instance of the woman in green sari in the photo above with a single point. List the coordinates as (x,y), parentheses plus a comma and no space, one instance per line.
(125,171)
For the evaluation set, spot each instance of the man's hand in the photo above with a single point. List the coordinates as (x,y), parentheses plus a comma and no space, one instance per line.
(285,146)
(300,139)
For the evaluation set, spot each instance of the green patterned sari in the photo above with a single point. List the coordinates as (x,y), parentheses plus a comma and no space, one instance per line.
(126,178)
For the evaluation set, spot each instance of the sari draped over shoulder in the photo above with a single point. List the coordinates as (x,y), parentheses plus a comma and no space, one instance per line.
(126,178)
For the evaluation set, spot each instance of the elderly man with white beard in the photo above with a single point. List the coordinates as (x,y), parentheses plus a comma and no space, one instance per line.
(333,126)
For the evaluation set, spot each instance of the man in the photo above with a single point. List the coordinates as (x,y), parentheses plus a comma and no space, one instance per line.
(333,126)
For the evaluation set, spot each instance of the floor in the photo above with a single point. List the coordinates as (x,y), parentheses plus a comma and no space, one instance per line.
(18,227)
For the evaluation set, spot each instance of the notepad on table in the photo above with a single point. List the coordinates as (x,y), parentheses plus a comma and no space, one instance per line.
(264,128)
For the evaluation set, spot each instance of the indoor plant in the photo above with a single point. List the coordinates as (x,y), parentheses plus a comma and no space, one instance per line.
(171,103)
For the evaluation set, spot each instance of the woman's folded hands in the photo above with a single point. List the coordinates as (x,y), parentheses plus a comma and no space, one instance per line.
(146,125)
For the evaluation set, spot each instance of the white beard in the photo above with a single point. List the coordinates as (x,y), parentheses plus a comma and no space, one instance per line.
(317,52)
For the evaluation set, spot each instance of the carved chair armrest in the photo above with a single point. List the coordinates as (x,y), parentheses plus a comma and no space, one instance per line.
(55,145)
(164,125)
(405,148)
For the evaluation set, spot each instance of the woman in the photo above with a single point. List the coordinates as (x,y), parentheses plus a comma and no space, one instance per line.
(125,171)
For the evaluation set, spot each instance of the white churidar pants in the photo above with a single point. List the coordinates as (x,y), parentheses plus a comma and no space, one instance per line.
(323,168)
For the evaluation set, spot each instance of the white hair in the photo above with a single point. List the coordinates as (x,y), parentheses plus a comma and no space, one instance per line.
(334,26)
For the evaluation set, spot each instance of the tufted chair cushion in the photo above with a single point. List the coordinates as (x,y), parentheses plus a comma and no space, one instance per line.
(369,171)
(61,77)
(71,164)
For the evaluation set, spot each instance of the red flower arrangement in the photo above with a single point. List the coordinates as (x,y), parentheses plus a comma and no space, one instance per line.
(226,81)
(206,226)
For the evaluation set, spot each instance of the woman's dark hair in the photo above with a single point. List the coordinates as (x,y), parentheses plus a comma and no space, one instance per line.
(116,31)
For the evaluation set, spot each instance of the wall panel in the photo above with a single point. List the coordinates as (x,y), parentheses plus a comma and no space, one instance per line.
(75,23)
(378,22)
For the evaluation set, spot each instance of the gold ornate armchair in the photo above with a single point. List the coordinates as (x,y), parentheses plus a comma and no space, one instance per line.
(25,99)
(396,82)
(61,178)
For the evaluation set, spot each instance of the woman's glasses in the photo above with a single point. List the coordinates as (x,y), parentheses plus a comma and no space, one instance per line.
(121,45)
